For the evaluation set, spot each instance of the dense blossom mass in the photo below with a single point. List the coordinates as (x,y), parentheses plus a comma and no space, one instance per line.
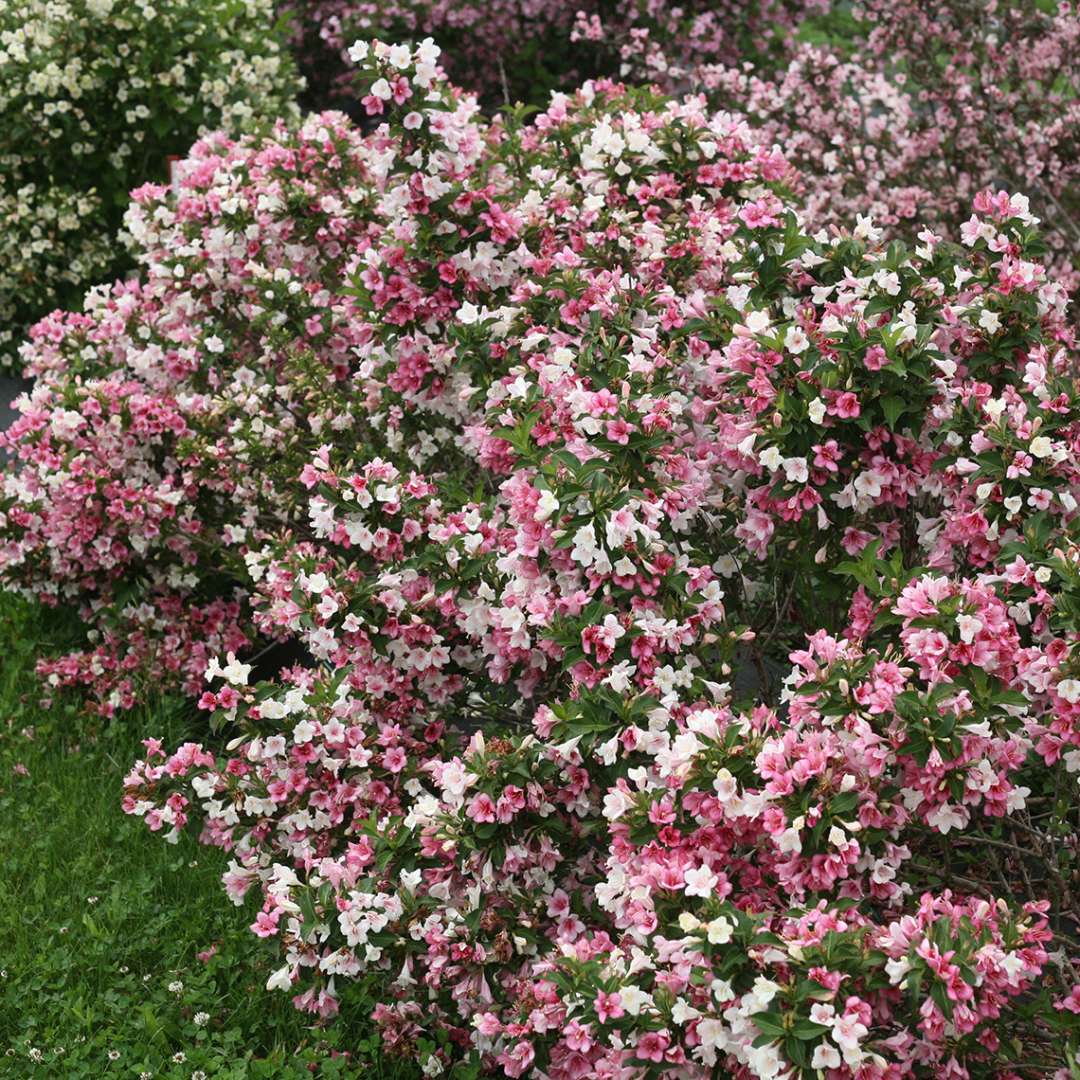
(147,444)
(903,109)
(525,441)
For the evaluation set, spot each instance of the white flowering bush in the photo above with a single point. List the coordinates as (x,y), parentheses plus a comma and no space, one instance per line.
(95,95)
(525,436)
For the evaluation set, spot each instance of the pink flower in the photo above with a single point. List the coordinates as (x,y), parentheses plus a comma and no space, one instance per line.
(652,1045)
(395,759)
(608,1006)
(265,924)
(875,358)
(846,405)
(481,808)
(516,1061)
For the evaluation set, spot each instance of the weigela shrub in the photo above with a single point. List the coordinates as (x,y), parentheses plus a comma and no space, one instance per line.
(507,51)
(903,111)
(907,110)
(628,425)
(153,437)
(94,97)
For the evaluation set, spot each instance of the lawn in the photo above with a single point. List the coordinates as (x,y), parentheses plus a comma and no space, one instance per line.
(102,924)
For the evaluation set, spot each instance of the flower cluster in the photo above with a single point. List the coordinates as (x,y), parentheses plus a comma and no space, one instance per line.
(154,436)
(94,97)
(607,426)
(907,110)
(904,111)
(508,51)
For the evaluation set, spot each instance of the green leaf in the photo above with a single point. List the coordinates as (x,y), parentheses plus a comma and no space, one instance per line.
(307,909)
(807,1029)
(893,407)
(769,1023)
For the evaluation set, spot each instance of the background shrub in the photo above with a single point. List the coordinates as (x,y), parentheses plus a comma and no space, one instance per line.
(95,95)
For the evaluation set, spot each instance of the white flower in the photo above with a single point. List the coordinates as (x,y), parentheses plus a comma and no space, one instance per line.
(761,993)
(770,458)
(847,1032)
(1069,690)
(946,817)
(584,550)
(897,970)
(616,803)
(1041,447)
(1017,799)
(621,674)
(738,295)
(634,998)
(789,840)
(427,51)
(796,470)
(303,732)
(826,1056)
(700,882)
(816,411)
(795,340)
(546,506)
(682,1013)
(235,672)
(719,931)
(888,281)
(315,583)
(864,229)
(454,779)
(868,484)
(757,322)
(468,313)
(280,979)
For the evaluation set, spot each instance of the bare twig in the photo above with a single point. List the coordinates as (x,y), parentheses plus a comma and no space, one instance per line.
(505,84)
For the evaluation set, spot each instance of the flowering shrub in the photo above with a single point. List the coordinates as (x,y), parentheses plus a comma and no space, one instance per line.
(904,111)
(909,109)
(625,423)
(509,51)
(94,96)
(149,444)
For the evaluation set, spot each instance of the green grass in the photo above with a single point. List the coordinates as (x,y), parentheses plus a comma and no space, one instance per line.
(99,918)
